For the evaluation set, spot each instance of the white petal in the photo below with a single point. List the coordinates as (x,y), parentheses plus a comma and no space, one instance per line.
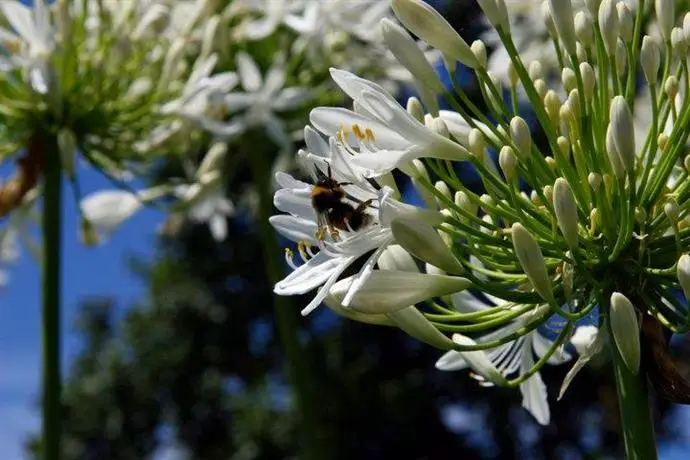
(295,202)
(584,337)
(249,73)
(465,302)
(421,240)
(290,98)
(478,360)
(20,18)
(396,258)
(219,227)
(294,228)
(275,78)
(236,102)
(541,345)
(329,120)
(285,180)
(309,276)
(107,209)
(259,29)
(316,144)
(388,290)
(533,389)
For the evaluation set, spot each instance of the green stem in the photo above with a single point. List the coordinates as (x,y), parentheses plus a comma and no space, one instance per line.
(52,418)
(315,442)
(636,417)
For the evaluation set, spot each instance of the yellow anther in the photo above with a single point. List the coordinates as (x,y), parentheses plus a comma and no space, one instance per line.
(12,46)
(357,131)
(370,135)
(288,253)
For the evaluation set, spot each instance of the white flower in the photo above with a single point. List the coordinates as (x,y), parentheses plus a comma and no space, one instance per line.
(393,136)
(301,223)
(106,210)
(271,14)
(516,356)
(33,36)
(262,97)
(209,203)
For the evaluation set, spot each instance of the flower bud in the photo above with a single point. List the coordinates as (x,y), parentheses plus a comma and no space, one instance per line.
(589,79)
(521,136)
(593,6)
(574,102)
(671,87)
(650,59)
(665,16)
(594,180)
(552,103)
(686,26)
(535,70)
(463,202)
(507,160)
(569,79)
(621,55)
(406,51)
(548,20)
(413,322)
(686,163)
(679,42)
(444,189)
(612,153)
(662,141)
(584,28)
(496,13)
(608,25)
(415,108)
(532,262)
(683,272)
(422,241)
(541,88)
(548,193)
(672,211)
(479,50)
(566,211)
(640,215)
(476,142)
(623,131)
(513,76)
(625,331)
(425,22)
(626,21)
(563,146)
(439,127)
(562,13)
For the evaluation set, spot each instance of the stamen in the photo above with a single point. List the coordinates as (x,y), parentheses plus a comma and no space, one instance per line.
(358,131)
(301,247)
(370,135)
(288,258)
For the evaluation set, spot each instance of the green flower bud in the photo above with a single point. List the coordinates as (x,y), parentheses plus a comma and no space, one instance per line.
(566,211)
(428,24)
(608,25)
(532,262)
(562,13)
(623,131)
(625,331)
(650,59)
(507,160)
(521,136)
(683,272)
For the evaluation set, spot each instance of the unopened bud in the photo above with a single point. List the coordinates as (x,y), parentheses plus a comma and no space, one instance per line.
(552,103)
(479,50)
(439,127)
(569,79)
(496,13)
(626,21)
(594,180)
(421,240)
(463,202)
(428,24)
(562,13)
(683,272)
(662,141)
(551,163)
(513,76)
(574,102)
(686,163)
(672,211)
(671,87)
(584,28)
(612,153)
(532,262)
(476,142)
(679,42)
(541,88)
(608,25)
(563,146)
(594,220)
(415,108)
(640,215)
(548,193)
(589,79)
(507,160)
(535,70)
(521,136)
(566,211)
(650,59)
(621,55)
(623,131)
(665,16)
(626,331)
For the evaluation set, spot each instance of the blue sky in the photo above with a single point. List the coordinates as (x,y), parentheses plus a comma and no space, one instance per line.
(86,271)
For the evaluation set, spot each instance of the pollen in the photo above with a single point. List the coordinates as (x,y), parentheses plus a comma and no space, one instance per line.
(369,134)
(12,46)
(357,131)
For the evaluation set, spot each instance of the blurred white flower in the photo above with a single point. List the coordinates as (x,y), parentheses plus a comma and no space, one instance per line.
(262,97)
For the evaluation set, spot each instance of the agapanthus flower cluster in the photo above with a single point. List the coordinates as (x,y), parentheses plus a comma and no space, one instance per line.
(591,222)
(92,82)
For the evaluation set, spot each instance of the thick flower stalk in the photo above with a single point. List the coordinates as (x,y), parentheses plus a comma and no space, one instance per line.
(594,216)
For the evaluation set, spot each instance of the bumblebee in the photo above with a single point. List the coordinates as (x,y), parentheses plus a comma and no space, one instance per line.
(333,213)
